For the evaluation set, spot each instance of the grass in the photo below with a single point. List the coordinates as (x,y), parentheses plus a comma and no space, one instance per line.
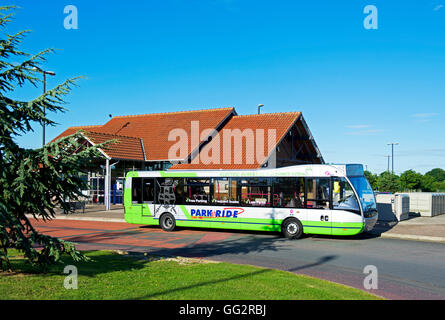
(115,276)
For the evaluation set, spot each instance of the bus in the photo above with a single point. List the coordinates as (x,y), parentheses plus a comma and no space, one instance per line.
(304,199)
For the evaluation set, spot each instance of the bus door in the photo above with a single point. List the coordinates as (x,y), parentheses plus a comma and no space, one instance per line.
(136,196)
(318,199)
(148,197)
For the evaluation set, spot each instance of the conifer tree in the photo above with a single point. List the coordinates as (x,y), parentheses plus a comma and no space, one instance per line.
(34,182)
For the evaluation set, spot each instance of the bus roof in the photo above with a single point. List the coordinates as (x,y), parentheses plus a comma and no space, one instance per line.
(310,170)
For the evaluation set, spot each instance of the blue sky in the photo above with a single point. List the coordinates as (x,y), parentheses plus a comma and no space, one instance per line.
(358,89)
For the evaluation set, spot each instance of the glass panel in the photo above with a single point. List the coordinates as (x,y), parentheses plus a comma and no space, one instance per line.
(318,193)
(255,192)
(220,191)
(136,190)
(225,191)
(343,196)
(197,191)
(288,192)
(170,190)
(148,190)
(365,193)
(233,192)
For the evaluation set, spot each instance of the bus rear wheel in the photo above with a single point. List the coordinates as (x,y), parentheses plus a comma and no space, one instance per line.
(292,228)
(167,222)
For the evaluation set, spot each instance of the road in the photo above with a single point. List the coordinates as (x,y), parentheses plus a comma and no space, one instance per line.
(406,269)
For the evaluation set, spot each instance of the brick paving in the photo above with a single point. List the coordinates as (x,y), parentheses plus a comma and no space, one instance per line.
(121,235)
(415,228)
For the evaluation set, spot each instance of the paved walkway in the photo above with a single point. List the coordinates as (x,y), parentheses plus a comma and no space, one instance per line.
(415,228)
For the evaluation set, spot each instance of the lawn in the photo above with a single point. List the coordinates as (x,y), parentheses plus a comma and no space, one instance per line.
(116,276)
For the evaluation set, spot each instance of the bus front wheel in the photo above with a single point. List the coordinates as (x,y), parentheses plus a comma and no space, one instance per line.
(292,228)
(167,222)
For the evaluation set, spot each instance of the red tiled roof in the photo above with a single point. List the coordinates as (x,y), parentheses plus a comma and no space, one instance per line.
(73,130)
(255,124)
(123,148)
(154,129)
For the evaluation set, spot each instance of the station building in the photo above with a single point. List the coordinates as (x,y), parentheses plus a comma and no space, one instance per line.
(190,140)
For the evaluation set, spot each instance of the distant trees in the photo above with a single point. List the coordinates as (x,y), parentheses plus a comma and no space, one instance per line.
(388,182)
(437,178)
(410,180)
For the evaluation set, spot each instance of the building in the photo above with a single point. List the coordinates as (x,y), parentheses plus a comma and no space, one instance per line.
(190,140)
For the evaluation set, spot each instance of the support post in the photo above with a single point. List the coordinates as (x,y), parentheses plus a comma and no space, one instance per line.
(107,184)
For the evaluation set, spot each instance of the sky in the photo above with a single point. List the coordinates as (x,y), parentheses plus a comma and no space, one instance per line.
(358,88)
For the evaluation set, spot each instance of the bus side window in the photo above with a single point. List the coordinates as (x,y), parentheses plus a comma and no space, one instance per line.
(318,193)
(197,190)
(136,190)
(221,192)
(169,191)
(224,191)
(255,192)
(148,194)
(288,192)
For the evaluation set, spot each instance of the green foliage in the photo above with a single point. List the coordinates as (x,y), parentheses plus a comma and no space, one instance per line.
(427,184)
(34,182)
(439,186)
(410,180)
(437,174)
(388,182)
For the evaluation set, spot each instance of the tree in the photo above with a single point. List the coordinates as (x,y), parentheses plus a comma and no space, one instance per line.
(388,182)
(410,180)
(36,181)
(427,184)
(437,174)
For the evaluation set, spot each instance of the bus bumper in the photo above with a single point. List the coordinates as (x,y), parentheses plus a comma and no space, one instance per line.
(370,223)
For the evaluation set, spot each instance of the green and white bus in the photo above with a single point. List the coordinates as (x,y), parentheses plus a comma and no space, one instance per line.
(312,199)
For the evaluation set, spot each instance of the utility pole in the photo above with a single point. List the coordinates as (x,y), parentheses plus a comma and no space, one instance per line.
(392,144)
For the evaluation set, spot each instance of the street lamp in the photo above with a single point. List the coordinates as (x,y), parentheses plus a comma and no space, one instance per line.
(392,144)
(44,73)
(388,161)
(259,108)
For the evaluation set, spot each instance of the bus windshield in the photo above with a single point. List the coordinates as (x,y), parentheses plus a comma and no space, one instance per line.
(366,195)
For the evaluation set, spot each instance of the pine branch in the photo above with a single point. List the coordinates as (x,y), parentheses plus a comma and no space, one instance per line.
(35,182)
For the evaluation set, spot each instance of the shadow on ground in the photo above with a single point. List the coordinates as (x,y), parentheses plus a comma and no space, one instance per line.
(322,260)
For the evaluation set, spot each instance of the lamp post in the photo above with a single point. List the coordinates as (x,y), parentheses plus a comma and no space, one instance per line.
(388,161)
(259,108)
(44,73)
(392,144)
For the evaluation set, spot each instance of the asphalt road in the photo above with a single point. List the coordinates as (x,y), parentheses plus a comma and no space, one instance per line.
(406,269)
